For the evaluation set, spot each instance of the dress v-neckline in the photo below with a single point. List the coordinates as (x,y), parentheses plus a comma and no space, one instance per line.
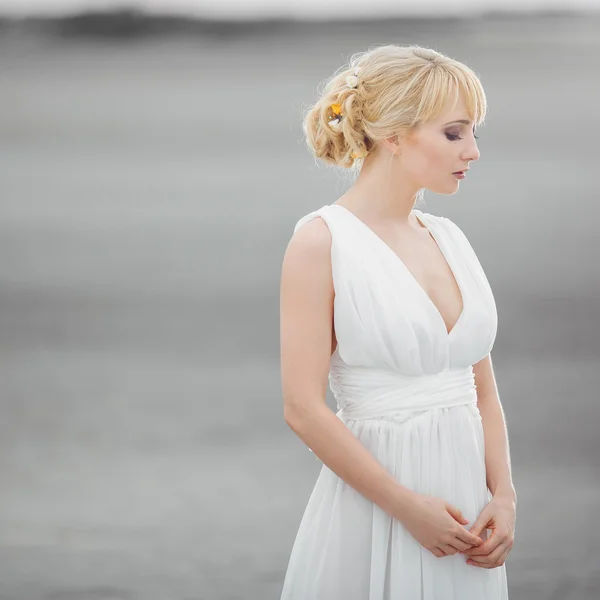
(419,216)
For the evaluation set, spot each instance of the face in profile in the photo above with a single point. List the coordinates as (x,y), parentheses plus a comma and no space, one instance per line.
(437,149)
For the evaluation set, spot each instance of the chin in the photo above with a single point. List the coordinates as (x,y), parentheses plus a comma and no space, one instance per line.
(445,192)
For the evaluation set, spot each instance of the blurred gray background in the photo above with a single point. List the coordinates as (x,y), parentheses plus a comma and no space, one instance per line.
(152,169)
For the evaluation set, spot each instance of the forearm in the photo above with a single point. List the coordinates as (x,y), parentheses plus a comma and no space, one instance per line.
(335,445)
(497,449)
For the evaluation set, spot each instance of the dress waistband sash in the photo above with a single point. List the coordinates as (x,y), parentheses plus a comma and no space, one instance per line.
(368,393)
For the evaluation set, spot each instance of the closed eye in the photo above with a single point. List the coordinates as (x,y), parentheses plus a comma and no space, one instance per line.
(453,137)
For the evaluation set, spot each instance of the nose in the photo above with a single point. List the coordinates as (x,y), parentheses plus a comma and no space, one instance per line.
(471,151)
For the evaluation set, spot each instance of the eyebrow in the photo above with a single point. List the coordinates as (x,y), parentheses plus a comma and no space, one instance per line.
(459,121)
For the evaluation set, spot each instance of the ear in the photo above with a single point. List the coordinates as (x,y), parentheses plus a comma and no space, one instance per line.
(392,144)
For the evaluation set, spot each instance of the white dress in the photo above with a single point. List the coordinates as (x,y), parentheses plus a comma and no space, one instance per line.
(405,388)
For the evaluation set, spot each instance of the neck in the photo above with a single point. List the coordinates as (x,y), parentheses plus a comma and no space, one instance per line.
(380,195)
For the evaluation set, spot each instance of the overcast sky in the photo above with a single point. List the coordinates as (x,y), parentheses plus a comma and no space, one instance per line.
(238,9)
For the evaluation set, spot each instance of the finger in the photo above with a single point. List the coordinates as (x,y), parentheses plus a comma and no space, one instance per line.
(505,555)
(475,563)
(449,549)
(501,558)
(460,545)
(438,552)
(491,561)
(469,538)
(482,562)
(482,550)
(496,556)
(488,546)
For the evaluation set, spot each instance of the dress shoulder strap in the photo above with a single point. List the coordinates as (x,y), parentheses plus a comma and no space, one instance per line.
(471,261)
(324,212)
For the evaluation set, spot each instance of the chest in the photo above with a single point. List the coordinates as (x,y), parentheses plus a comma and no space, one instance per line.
(424,262)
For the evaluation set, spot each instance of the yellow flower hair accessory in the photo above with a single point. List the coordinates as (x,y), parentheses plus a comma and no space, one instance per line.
(358,155)
(336,122)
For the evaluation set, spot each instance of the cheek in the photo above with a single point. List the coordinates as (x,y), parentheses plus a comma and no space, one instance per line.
(438,155)
(431,152)
(431,160)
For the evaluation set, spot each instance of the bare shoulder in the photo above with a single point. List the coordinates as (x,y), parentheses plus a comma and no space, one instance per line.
(306,317)
(310,243)
(306,271)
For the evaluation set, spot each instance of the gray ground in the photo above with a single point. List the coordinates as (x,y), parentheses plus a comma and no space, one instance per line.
(148,191)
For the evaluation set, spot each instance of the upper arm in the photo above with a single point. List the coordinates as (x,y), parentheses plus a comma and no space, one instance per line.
(306,317)
(485,380)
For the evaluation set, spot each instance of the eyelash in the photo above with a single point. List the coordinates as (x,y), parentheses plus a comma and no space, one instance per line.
(453,137)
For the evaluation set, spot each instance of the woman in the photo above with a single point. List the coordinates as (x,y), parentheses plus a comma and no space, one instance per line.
(391,305)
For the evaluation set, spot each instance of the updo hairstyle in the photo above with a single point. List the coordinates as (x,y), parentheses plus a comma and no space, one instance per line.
(397,89)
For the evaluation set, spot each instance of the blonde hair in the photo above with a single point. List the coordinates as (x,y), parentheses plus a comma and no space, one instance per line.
(399,88)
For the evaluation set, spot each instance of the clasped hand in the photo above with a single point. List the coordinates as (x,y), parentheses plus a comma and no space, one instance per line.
(499,515)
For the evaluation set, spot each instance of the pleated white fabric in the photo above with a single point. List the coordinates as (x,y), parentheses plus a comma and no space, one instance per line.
(405,387)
